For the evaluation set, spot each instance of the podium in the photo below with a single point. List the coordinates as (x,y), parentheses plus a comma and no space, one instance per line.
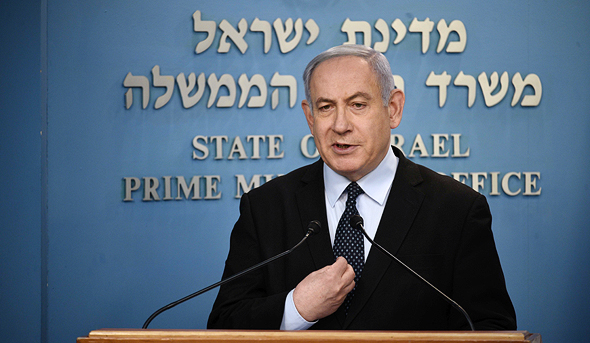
(268,336)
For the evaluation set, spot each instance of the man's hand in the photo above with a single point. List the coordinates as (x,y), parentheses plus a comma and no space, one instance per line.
(323,291)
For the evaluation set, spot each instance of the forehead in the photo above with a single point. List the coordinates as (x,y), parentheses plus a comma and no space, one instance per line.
(343,74)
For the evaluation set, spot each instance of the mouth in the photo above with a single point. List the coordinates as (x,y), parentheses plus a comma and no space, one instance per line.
(343,148)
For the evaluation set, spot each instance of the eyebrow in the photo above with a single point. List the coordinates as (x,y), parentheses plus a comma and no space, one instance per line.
(355,95)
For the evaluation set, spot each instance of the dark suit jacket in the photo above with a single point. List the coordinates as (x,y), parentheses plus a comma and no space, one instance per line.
(436,225)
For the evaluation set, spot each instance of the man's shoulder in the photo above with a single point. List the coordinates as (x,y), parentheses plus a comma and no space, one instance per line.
(292,180)
(432,181)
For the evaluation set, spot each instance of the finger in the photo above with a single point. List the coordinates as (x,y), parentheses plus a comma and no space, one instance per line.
(349,287)
(340,261)
(348,274)
(340,266)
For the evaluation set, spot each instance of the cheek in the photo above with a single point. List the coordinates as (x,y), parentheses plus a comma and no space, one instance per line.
(377,135)
(320,129)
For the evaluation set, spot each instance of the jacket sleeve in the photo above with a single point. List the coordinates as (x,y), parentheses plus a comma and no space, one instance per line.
(479,284)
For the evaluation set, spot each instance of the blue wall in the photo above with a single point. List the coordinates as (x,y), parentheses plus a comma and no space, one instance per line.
(76,256)
(20,171)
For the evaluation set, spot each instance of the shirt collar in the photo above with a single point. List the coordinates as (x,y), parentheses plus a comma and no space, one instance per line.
(376,184)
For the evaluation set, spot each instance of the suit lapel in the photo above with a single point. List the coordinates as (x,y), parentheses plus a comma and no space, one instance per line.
(312,206)
(401,208)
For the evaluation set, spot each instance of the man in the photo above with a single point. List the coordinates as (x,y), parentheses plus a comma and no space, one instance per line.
(437,226)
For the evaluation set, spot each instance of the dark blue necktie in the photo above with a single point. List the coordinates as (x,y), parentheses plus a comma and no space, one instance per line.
(348,242)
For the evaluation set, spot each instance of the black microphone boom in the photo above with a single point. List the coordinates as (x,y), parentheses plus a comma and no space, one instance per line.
(312,228)
(356,222)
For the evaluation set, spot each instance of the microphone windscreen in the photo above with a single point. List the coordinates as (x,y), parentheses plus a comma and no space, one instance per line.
(356,221)
(314,226)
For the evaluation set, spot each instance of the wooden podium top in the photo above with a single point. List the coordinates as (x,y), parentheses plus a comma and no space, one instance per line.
(219,336)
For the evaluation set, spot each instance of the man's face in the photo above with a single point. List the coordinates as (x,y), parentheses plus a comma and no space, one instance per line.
(350,124)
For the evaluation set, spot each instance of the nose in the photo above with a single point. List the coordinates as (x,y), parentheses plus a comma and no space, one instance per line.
(341,122)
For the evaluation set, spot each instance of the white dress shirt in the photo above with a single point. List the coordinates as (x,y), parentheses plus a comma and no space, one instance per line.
(376,186)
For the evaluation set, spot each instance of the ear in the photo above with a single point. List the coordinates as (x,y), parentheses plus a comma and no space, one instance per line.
(308,115)
(397,100)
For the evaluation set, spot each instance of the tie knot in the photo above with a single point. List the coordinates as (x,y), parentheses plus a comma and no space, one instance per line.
(353,190)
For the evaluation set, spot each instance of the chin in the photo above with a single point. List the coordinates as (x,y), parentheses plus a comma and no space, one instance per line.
(349,173)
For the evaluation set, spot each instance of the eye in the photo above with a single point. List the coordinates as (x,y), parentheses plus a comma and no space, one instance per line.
(324,107)
(358,105)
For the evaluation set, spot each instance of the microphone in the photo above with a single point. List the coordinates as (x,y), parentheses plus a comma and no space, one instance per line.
(312,228)
(357,222)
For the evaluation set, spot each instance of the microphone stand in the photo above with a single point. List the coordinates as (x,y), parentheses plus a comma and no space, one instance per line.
(313,227)
(356,221)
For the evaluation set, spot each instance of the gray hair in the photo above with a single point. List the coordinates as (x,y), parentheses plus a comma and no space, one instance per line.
(375,59)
